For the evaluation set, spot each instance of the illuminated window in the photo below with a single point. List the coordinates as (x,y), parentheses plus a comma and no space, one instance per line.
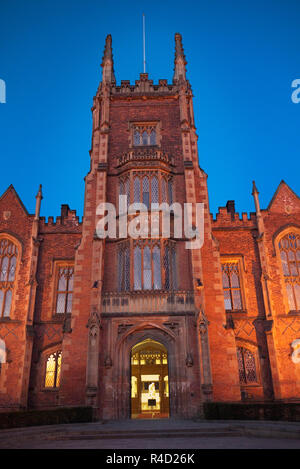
(147,188)
(8,265)
(289,247)
(64,289)
(247,367)
(232,286)
(53,369)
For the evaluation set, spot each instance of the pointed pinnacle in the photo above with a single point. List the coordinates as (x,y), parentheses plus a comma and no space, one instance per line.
(179,52)
(254,188)
(39,194)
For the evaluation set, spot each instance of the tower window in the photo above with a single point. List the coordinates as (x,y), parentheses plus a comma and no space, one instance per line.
(144,135)
(8,265)
(289,247)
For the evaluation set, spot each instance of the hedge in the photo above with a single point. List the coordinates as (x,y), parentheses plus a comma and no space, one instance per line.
(46,417)
(252,411)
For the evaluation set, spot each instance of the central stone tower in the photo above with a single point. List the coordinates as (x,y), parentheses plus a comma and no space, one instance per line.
(149,335)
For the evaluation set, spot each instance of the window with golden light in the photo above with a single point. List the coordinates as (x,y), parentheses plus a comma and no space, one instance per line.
(289,247)
(53,369)
(8,265)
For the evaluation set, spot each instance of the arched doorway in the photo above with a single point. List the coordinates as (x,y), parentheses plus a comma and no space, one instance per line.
(149,380)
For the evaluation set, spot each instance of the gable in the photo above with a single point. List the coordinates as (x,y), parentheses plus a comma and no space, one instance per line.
(11,206)
(285,200)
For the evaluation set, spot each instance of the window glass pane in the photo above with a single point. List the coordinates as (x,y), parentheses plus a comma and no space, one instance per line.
(237,300)
(167,268)
(154,190)
(120,269)
(136,137)
(146,191)
(61,303)
(249,367)
(1,301)
(297,296)
(284,262)
(127,269)
(156,267)
(174,276)
(8,298)
(12,269)
(290,295)
(71,279)
(225,279)
(50,372)
(122,188)
(4,269)
(163,190)
(235,280)
(153,138)
(147,269)
(227,300)
(127,191)
(145,138)
(170,191)
(242,374)
(69,303)
(62,282)
(137,268)
(136,190)
(58,370)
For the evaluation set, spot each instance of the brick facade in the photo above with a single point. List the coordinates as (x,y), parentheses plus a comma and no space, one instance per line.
(215,352)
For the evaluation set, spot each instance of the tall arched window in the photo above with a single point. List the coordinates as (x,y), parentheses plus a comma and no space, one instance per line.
(8,265)
(289,247)
(247,366)
(53,368)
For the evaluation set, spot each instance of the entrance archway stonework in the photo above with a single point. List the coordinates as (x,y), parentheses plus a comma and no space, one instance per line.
(178,336)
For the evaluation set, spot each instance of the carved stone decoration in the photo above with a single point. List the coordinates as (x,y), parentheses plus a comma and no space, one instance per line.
(94,319)
(189,360)
(296,353)
(123,327)
(66,328)
(108,362)
(203,323)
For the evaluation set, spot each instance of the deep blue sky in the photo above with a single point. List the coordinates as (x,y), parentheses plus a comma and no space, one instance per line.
(242,58)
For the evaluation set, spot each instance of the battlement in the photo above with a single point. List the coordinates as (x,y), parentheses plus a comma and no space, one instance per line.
(227,217)
(66,220)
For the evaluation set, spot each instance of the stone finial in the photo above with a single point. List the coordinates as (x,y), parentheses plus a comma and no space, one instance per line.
(38,197)
(180,62)
(108,74)
(254,188)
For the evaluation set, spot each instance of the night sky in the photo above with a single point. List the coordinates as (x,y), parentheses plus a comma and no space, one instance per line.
(242,59)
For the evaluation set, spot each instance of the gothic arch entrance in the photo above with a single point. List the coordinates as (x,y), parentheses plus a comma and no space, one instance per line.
(149,380)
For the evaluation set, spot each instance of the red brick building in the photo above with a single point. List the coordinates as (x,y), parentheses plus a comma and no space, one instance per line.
(140,327)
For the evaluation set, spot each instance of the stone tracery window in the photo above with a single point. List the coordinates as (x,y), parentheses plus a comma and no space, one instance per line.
(53,369)
(8,265)
(289,247)
(232,286)
(247,366)
(147,187)
(64,294)
(144,135)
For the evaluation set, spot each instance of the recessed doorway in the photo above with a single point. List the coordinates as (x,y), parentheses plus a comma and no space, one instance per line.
(149,380)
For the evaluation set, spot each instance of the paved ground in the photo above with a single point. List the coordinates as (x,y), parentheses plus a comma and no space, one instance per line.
(156,434)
